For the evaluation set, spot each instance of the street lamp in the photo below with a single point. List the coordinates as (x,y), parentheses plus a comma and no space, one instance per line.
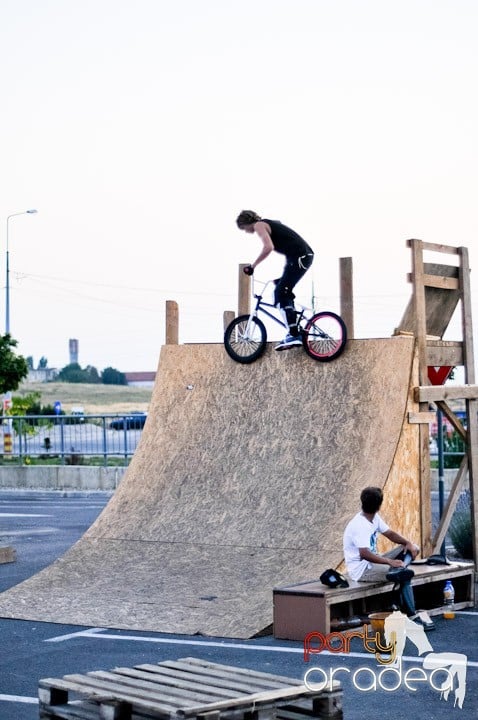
(7,284)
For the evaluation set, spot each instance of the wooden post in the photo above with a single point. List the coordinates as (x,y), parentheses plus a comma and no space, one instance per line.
(471,405)
(420,329)
(228,317)
(419,308)
(172,322)
(244,299)
(347,295)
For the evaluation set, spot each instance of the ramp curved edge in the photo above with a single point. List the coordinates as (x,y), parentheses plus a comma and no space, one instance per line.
(244,479)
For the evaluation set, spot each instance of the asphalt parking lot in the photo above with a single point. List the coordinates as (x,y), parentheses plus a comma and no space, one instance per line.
(41,526)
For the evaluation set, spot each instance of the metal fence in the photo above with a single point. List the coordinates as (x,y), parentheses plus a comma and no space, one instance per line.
(69,439)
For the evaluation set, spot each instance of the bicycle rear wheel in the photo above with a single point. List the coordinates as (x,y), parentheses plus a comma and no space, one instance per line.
(245,339)
(324,336)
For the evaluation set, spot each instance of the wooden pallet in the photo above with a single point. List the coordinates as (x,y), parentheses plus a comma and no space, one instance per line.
(186,688)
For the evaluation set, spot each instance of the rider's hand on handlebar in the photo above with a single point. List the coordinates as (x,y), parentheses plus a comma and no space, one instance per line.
(248,269)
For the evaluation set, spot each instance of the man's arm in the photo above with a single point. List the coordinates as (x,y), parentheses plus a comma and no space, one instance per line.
(400,540)
(366,554)
(261,229)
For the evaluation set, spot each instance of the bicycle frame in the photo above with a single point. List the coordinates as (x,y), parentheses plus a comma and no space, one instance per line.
(261,305)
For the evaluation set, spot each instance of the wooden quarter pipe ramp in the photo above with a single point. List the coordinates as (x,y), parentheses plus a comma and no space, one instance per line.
(244,479)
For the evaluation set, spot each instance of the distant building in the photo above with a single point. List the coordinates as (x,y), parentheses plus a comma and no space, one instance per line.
(42,375)
(140,379)
(73,347)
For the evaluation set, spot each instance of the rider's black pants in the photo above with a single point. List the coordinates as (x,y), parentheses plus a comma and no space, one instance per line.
(295,268)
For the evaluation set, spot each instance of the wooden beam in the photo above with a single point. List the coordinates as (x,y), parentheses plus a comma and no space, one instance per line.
(425,418)
(347,295)
(436,247)
(450,506)
(433,393)
(444,283)
(471,403)
(442,353)
(472,430)
(467,322)
(419,326)
(450,415)
(227,317)
(244,297)
(419,308)
(172,322)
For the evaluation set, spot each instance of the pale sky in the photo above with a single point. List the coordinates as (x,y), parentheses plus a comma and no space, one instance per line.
(140,128)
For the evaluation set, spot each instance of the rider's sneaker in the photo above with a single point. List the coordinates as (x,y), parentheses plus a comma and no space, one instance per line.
(288,342)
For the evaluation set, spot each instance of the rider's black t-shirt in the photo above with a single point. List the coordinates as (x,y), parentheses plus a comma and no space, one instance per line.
(286,241)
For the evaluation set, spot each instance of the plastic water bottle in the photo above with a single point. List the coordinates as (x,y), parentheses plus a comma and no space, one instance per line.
(449,600)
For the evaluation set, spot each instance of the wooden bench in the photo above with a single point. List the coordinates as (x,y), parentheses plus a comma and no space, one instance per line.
(313,607)
(186,688)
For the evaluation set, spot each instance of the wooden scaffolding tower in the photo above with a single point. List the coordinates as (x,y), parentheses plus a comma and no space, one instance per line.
(437,291)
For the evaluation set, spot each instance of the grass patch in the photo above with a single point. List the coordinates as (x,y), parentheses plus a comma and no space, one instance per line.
(95,399)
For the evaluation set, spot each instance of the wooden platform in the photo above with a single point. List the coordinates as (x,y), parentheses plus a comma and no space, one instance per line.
(186,688)
(313,607)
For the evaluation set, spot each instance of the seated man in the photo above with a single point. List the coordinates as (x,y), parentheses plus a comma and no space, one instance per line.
(363,562)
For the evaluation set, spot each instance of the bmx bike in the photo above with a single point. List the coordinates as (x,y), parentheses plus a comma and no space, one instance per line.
(323,334)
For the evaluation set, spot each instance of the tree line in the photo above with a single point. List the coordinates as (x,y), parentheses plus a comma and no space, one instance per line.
(14,368)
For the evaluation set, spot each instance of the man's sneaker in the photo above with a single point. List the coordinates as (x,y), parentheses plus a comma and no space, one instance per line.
(288,342)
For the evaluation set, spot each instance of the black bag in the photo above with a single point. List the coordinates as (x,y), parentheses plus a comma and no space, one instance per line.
(333,579)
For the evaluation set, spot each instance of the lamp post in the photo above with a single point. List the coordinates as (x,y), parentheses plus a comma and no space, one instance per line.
(7,284)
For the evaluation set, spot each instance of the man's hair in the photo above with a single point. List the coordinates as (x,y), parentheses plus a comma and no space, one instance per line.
(371,499)
(247,217)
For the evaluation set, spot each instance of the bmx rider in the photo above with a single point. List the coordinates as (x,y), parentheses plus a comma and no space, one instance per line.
(298,259)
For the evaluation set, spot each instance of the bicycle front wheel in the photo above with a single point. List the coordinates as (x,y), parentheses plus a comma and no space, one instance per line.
(324,336)
(245,339)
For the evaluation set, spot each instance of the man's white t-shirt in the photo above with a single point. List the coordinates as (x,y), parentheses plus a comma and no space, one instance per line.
(361,533)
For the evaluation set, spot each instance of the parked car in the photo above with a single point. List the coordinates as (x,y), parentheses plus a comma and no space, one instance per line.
(134,421)
(78,412)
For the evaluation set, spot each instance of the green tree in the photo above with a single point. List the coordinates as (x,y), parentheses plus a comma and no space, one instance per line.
(22,404)
(29,405)
(73,373)
(43,363)
(13,367)
(111,376)
(92,374)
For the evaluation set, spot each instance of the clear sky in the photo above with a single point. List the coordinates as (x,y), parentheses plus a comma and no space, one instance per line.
(140,128)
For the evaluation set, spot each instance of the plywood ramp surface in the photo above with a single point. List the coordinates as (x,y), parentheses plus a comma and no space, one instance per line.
(243,480)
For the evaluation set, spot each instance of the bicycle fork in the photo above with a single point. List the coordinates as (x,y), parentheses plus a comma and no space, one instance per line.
(252,316)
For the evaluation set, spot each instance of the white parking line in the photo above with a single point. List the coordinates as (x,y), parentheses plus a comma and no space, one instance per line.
(32,531)
(23,515)
(101,634)
(58,506)
(19,699)
(80,633)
